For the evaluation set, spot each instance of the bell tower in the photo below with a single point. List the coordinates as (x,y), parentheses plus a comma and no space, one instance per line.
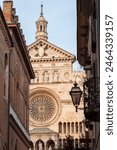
(41,25)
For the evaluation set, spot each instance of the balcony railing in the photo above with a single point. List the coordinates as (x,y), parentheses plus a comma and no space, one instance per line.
(92,99)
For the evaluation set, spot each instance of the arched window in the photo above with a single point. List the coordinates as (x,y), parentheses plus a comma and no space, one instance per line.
(76,127)
(60,127)
(68,127)
(39,145)
(50,145)
(72,127)
(6,76)
(64,127)
(44,28)
(41,28)
(80,127)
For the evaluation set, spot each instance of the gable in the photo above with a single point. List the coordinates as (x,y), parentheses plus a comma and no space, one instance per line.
(44,51)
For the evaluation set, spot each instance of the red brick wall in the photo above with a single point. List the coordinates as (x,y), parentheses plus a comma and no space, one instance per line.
(19,85)
(4,49)
(16,140)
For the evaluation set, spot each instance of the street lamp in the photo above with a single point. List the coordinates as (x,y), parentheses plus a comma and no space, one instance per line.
(76,95)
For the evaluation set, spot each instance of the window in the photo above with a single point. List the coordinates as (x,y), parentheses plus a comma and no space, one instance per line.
(64,127)
(60,127)
(76,126)
(41,28)
(80,127)
(68,127)
(6,76)
(72,127)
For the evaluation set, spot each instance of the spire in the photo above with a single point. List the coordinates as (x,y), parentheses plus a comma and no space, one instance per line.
(41,14)
(41,24)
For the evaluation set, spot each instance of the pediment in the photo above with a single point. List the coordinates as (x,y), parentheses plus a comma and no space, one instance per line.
(43,50)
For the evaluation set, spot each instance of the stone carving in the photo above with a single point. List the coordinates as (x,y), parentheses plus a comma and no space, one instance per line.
(42,108)
(55,76)
(45,76)
(36,80)
(66,75)
(38,51)
(40,146)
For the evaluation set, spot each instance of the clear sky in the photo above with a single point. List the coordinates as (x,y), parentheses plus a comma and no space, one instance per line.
(61,17)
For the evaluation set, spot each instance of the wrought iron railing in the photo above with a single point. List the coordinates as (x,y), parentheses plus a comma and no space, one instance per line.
(92,98)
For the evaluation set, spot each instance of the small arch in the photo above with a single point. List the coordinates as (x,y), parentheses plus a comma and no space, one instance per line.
(60,127)
(76,127)
(39,145)
(64,127)
(45,76)
(80,127)
(55,76)
(44,28)
(41,28)
(68,127)
(50,145)
(72,127)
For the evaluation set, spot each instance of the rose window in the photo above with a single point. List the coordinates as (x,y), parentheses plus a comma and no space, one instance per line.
(42,109)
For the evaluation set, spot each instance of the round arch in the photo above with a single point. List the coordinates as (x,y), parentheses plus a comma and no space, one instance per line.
(39,145)
(50,145)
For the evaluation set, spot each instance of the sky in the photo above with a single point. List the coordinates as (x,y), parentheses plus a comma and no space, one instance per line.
(61,17)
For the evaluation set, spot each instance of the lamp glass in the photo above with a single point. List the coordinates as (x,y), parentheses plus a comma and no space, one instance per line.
(76,95)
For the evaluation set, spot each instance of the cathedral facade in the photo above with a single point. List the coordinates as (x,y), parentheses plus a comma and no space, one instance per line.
(51,112)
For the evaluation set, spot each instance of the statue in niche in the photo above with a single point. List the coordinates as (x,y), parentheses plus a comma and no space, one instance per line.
(40,146)
(46,76)
(55,76)
(36,76)
(66,76)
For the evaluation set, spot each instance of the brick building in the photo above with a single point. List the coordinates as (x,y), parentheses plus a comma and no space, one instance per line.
(5,45)
(88,46)
(15,74)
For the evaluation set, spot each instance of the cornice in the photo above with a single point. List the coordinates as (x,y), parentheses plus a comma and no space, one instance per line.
(5,30)
(34,60)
